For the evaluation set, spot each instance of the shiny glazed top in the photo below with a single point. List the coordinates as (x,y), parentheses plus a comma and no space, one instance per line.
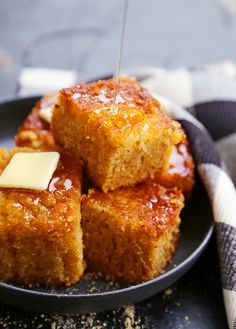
(40,209)
(134,105)
(147,207)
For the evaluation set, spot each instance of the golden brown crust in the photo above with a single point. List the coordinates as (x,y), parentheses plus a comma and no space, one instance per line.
(40,230)
(34,131)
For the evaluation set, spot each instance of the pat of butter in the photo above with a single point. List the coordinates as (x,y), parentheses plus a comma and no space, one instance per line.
(30,170)
(46,113)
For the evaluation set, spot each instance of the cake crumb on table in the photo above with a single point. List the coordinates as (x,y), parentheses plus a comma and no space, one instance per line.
(53,326)
(129,321)
(130,311)
(168,292)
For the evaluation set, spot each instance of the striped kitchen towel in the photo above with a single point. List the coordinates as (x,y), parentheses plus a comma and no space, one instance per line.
(209,95)
(204,101)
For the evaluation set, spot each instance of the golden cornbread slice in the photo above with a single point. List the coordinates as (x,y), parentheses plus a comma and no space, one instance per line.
(35,132)
(180,172)
(120,144)
(40,231)
(131,233)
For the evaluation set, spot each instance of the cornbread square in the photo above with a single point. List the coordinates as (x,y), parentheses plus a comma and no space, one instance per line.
(40,231)
(180,172)
(35,132)
(131,233)
(120,144)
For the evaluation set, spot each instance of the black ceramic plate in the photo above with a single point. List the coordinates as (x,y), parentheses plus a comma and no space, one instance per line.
(93,295)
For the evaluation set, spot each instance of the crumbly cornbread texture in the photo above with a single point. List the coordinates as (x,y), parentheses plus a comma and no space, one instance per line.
(180,172)
(121,144)
(40,231)
(34,131)
(131,233)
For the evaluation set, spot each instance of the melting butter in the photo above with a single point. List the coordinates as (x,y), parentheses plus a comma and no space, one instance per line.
(30,170)
(46,113)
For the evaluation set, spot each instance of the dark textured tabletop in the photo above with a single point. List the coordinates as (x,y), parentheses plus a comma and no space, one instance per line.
(194,302)
(82,36)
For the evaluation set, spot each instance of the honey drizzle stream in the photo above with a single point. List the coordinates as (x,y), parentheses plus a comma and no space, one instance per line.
(117,73)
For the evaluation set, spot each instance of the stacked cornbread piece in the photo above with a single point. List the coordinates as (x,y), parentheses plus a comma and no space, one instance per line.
(40,227)
(139,165)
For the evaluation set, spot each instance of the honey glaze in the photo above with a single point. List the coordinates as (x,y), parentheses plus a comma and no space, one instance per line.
(139,112)
(100,95)
(27,204)
(114,107)
(97,98)
(181,161)
(146,206)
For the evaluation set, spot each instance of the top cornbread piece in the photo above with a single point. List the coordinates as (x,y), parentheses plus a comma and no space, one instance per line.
(35,131)
(120,144)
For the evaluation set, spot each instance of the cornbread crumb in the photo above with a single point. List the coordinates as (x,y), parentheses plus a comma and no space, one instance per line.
(129,321)
(129,310)
(53,326)
(105,320)
(168,292)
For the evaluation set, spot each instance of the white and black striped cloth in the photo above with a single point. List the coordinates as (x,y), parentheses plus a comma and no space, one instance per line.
(208,96)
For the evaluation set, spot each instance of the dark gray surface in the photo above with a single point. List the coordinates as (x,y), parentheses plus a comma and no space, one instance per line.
(194,302)
(166,33)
